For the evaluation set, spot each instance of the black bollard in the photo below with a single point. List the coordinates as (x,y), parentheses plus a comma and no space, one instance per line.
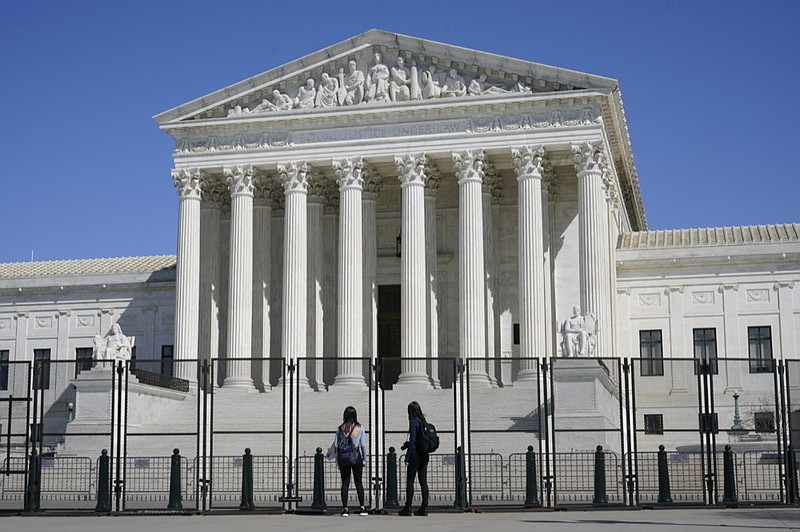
(531,491)
(664,495)
(461,480)
(103,483)
(729,491)
(318,501)
(33,494)
(247,481)
(600,477)
(175,481)
(391,480)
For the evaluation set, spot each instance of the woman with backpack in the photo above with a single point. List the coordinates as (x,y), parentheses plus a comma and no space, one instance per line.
(416,460)
(350,445)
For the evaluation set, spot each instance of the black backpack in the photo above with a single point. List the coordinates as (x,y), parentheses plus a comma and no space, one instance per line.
(427,439)
(346,450)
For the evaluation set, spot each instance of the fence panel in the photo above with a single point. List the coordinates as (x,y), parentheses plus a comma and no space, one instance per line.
(15,407)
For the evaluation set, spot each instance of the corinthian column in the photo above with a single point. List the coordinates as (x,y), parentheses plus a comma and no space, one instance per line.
(529,165)
(411,170)
(373,183)
(240,277)
(187,274)
(262,273)
(432,181)
(471,276)
(295,241)
(590,164)
(490,189)
(316,269)
(214,194)
(350,349)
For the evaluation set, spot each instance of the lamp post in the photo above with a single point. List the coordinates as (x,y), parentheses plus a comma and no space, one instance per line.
(398,244)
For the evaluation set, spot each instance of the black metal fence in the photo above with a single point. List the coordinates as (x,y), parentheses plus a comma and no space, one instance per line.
(594,427)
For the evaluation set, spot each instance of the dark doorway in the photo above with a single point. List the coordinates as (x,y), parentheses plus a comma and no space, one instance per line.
(389,333)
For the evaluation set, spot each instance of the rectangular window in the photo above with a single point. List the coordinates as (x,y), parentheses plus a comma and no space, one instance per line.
(133,358)
(516,334)
(654,423)
(764,422)
(166,360)
(705,350)
(83,359)
(41,369)
(651,353)
(4,369)
(759,349)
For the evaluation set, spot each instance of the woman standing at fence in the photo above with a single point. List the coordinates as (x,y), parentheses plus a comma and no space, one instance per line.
(350,447)
(416,461)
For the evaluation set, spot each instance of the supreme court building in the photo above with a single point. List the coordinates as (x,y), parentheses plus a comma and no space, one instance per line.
(390,197)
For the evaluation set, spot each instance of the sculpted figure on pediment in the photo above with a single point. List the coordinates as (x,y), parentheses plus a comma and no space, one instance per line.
(430,88)
(280,102)
(378,81)
(351,86)
(453,85)
(521,87)
(306,95)
(238,110)
(478,87)
(399,86)
(327,93)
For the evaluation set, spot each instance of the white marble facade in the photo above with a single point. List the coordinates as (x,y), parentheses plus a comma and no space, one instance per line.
(511,184)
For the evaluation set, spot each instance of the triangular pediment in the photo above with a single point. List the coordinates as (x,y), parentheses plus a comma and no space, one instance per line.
(379,67)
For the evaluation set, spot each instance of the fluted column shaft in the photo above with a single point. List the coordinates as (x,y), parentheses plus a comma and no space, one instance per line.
(489,254)
(372,185)
(209,275)
(413,285)
(471,275)
(187,274)
(590,163)
(262,275)
(528,161)
(316,332)
(350,348)
(295,242)
(432,181)
(240,278)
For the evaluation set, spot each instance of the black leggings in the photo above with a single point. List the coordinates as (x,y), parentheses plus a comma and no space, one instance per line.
(357,469)
(417,466)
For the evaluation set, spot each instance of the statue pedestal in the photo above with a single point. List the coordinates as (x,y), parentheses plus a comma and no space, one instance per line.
(586,396)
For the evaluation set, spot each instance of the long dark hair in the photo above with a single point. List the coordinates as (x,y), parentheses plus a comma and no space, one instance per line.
(349,419)
(415,411)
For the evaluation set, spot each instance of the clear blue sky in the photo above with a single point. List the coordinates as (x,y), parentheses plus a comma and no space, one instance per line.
(708,88)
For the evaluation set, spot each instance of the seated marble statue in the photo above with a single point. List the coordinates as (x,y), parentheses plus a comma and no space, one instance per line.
(453,85)
(327,93)
(578,334)
(115,346)
(430,88)
(353,85)
(378,81)
(306,95)
(399,86)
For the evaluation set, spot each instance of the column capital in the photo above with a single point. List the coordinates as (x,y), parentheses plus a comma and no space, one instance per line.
(373,183)
(294,176)
(432,179)
(214,192)
(266,189)
(469,165)
(589,157)
(492,183)
(349,173)
(316,185)
(187,182)
(529,162)
(239,179)
(411,168)
(331,205)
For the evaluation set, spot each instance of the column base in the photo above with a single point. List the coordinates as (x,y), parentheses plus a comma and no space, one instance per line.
(238,382)
(413,378)
(350,380)
(479,378)
(527,375)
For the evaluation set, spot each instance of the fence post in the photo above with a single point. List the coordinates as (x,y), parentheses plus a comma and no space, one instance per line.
(391,480)
(247,481)
(175,481)
(791,475)
(531,491)
(461,484)
(103,483)
(599,477)
(34,492)
(664,495)
(729,487)
(318,502)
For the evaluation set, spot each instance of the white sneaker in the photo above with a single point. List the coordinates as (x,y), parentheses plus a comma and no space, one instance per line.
(363,511)
(345,513)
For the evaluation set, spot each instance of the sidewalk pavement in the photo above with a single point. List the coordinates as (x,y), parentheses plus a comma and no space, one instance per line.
(672,520)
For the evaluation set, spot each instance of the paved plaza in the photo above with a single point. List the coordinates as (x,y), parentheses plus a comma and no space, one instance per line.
(676,520)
